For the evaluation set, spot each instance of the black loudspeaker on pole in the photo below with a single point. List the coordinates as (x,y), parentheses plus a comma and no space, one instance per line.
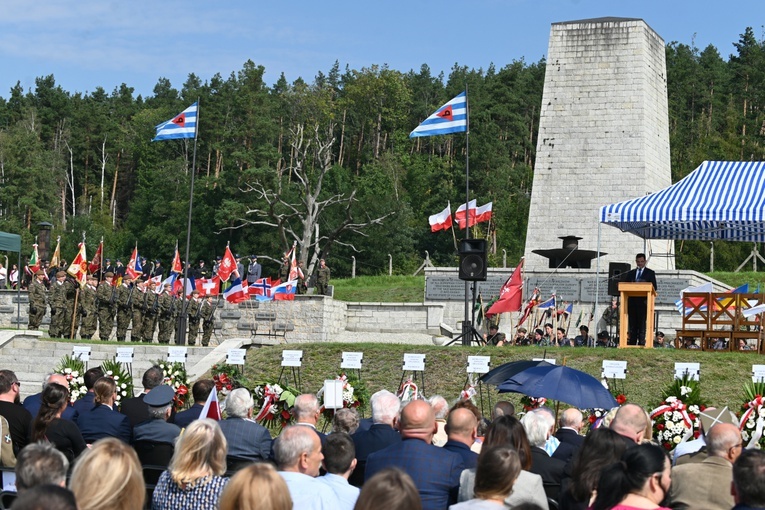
(473,267)
(615,272)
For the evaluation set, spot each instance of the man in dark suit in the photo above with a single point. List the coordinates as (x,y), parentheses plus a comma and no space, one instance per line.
(135,408)
(102,421)
(568,434)
(461,430)
(32,402)
(380,435)
(201,390)
(87,402)
(434,471)
(538,425)
(246,438)
(636,307)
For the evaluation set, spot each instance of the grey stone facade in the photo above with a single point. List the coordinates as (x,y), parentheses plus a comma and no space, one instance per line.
(603,136)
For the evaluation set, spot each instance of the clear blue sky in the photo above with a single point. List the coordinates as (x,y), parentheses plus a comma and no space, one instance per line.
(87,43)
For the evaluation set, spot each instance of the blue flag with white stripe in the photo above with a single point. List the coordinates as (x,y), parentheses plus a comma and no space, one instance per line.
(183,125)
(450,118)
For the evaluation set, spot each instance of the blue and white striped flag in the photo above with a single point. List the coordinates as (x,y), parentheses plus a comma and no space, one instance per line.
(450,118)
(183,125)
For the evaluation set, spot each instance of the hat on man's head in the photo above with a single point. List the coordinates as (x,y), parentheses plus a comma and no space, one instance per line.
(710,417)
(521,329)
(584,328)
(40,272)
(237,256)
(119,261)
(159,396)
(218,258)
(60,274)
(109,274)
(603,334)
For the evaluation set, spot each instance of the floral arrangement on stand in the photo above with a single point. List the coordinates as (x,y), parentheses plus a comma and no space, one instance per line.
(275,403)
(752,415)
(122,379)
(176,378)
(530,403)
(676,419)
(409,390)
(355,394)
(74,371)
(227,377)
(594,416)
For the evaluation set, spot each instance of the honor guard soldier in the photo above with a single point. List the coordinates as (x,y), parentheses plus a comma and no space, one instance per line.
(88,309)
(38,300)
(107,302)
(195,314)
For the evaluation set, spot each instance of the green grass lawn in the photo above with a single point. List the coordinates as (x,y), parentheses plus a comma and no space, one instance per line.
(723,375)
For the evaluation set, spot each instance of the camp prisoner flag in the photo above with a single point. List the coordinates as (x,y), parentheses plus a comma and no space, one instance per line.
(183,125)
(450,118)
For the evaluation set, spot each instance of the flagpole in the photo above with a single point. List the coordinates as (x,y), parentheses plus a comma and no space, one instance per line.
(180,336)
(467,327)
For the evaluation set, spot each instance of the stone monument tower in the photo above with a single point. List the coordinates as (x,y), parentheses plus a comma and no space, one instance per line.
(603,137)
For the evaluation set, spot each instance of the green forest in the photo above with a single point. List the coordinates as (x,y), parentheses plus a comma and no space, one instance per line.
(328,163)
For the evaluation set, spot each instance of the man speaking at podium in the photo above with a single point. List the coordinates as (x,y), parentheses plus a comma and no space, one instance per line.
(636,306)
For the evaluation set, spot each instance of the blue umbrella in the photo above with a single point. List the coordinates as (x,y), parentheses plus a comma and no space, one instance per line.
(560,383)
(507,370)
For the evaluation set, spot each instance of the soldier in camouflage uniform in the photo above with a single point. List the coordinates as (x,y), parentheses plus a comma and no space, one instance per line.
(139,296)
(71,287)
(125,293)
(88,310)
(150,312)
(195,314)
(302,287)
(58,306)
(208,320)
(107,302)
(38,300)
(322,278)
(167,312)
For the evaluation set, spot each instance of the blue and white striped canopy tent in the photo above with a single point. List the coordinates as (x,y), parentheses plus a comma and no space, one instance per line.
(720,200)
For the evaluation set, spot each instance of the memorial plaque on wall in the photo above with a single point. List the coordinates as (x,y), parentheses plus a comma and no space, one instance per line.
(588,290)
(566,288)
(668,289)
(451,288)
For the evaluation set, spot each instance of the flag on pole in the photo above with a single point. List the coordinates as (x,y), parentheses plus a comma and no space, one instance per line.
(227,265)
(178,285)
(261,287)
(442,220)
(79,266)
(34,261)
(176,266)
(284,291)
(97,261)
(295,271)
(546,305)
(460,214)
(237,292)
(212,407)
(55,260)
(208,286)
(510,295)
(183,125)
(450,118)
(134,269)
(482,214)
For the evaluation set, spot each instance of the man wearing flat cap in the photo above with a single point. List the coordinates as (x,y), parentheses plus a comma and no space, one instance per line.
(156,429)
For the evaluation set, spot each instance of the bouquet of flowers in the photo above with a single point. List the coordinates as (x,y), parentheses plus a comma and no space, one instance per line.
(530,403)
(676,419)
(73,369)
(409,390)
(121,377)
(355,394)
(176,378)
(275,403)
(227,378)
(752,414)
(596,414)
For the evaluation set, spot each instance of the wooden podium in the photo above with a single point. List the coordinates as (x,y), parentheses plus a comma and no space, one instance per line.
(636,290)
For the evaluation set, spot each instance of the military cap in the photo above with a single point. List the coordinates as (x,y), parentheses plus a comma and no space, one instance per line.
(521,329)
(119,261)
(159,396)
(40,272)
(60,274)
(109,274)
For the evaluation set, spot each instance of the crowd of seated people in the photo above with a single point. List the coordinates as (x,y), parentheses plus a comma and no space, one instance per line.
(389,461)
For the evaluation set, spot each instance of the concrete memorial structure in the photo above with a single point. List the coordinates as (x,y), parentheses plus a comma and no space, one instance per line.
(603,137)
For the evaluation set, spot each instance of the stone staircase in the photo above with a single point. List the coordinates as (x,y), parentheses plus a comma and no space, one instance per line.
(32,358)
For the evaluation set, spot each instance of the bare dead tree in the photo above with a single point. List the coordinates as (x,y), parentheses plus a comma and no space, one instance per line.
(296,216)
